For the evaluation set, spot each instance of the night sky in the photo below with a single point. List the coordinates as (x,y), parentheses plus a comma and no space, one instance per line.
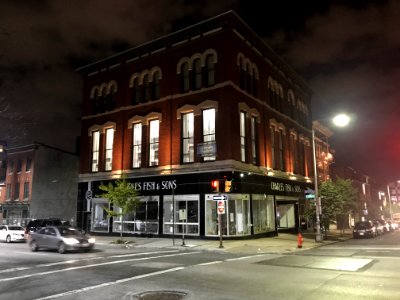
(348,53)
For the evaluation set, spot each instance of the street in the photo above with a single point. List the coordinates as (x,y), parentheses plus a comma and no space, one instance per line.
(353,269)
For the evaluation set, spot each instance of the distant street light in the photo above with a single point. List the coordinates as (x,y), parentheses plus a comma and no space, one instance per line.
(340,120)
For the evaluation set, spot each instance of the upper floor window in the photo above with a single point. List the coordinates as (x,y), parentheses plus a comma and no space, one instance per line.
(8,192)
(210,75)
(209,130)
(273,148)
(188,137)
(110,98)
(254,152)
(95,150)
(16,191)
(28,164)
(293,151)
(154,131)
(197,82)
(242,136)
(109,149)
(135,92)
(19,165)
(137,145)
(156,86)
(185,83)
(146,89)
(11,165)
(281,144)
(26,189)
(248,74)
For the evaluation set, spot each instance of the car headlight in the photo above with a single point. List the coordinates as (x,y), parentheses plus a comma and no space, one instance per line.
(71,241)
(91,240)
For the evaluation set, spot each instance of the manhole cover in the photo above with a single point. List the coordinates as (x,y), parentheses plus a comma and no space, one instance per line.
(161,295)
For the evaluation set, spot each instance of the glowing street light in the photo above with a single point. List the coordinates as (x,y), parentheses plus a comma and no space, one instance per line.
(340,120)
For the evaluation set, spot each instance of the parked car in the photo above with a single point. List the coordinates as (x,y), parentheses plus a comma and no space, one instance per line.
(60,238)
(392,225)
(378,226)
(37,224)
(364,229)
(384,224)
(12,233)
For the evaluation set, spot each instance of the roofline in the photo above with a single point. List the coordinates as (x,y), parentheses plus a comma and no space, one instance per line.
(36,145)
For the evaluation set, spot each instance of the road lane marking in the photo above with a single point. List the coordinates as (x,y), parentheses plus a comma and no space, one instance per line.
(92,266)
(64,262)
(110,283)
(105,284)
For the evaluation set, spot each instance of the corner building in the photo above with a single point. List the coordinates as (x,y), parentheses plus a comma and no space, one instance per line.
(209,102)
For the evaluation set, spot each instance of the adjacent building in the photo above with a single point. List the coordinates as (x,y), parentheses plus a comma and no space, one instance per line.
(40,182)
(209,103)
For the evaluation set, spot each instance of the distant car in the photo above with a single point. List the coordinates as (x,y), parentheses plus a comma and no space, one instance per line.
(386,227)
(364,229)
(60,238)
(12,233)
(392,225)
(378,226)
(37,224)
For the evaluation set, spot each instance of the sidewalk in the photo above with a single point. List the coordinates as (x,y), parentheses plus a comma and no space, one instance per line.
(283,243)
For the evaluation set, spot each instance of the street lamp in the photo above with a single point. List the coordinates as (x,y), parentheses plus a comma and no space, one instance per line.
(340,120)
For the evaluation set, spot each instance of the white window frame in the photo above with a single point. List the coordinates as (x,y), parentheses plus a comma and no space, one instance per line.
(209,116)
(188,137)
(154,137)
(95,150)
(243,136)
(254,140)
(109,144)
(137,145)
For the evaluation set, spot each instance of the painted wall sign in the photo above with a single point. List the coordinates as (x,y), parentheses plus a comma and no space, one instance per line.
(285,187)
(154,185)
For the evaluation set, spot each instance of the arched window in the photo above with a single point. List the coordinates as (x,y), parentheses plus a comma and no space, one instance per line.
(135,91)
(197,74)
(146,88)
(95,103)
(156,86)
(111,98)
(210,76)
(242,80)
(102,100)
(185,86)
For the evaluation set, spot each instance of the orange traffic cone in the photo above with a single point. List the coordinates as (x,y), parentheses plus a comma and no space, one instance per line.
(299,240)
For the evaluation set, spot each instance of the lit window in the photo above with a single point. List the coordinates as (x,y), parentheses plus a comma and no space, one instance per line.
(137,145)
(273,149)
(109,149)
(153,142)
(209,130)
(242,136)
(95,150)
(188,137)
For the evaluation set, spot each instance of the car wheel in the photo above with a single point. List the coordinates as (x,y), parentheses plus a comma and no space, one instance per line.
(34,246)
(61,248)
(8,239)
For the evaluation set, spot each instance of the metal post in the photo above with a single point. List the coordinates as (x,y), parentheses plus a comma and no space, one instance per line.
(173,218)
(318,237)
(220,230)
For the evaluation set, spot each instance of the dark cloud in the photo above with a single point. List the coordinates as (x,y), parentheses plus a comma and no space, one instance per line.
(347,52)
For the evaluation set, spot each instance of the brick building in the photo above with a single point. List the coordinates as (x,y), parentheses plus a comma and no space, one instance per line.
(209,102)
(40,182)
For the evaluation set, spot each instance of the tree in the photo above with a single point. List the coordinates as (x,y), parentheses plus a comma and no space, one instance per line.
(123,195)
(338,199)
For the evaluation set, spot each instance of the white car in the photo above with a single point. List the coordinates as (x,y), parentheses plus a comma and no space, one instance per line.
(12,233)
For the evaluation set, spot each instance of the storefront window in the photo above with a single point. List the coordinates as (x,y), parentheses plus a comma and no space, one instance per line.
(286,215)
(99,216)
(235,221)
(263,213)
(144,220)
(181,212)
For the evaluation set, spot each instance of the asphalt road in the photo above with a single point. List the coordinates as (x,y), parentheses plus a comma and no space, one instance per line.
(354,269)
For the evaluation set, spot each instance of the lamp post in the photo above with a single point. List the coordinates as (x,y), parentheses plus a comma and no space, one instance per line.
(340,120)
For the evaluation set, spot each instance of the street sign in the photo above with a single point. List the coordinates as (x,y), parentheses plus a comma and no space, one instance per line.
(220,197)
(310,196)
(221,207)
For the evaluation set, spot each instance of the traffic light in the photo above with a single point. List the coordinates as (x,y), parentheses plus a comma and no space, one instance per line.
(215,186)
(228,186)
